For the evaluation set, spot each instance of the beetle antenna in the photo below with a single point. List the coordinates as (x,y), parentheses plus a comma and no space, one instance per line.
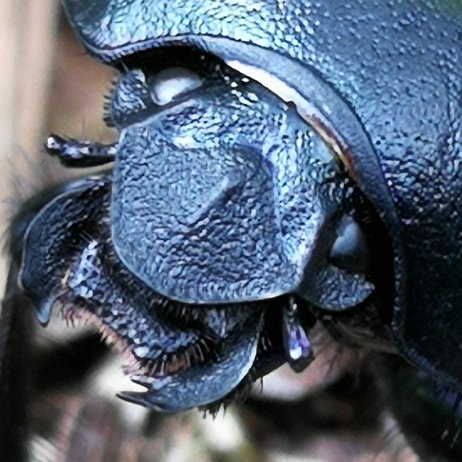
(75,153)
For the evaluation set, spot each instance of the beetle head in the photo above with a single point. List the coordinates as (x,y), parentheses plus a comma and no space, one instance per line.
(224,194)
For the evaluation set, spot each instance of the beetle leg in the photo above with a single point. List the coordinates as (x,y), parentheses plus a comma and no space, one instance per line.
(53,238)
(130,314)
(17,376)
(174,361)
(76,153)
(206,383)
(187,357)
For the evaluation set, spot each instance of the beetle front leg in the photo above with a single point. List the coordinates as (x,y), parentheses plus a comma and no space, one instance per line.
(76,153)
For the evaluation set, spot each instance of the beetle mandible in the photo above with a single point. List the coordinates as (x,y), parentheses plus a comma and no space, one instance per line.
(278,163)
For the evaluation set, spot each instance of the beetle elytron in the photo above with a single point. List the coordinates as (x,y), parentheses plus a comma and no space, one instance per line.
(279,163)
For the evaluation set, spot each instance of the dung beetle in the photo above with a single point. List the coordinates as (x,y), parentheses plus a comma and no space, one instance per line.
(279,164)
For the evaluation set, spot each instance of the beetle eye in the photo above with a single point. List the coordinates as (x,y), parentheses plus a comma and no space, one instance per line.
(173,82)
(350,251)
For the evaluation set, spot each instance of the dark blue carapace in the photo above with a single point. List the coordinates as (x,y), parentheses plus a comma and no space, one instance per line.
(248,131)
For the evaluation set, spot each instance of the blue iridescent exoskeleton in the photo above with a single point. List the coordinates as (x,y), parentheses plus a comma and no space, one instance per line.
(274,159)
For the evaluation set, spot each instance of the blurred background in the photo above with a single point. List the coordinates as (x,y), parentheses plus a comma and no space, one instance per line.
(332,413)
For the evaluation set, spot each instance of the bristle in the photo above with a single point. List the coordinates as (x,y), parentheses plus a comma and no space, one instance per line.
(237,396)
(107,117)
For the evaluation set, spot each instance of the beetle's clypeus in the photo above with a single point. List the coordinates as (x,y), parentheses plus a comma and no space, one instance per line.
(279,164)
